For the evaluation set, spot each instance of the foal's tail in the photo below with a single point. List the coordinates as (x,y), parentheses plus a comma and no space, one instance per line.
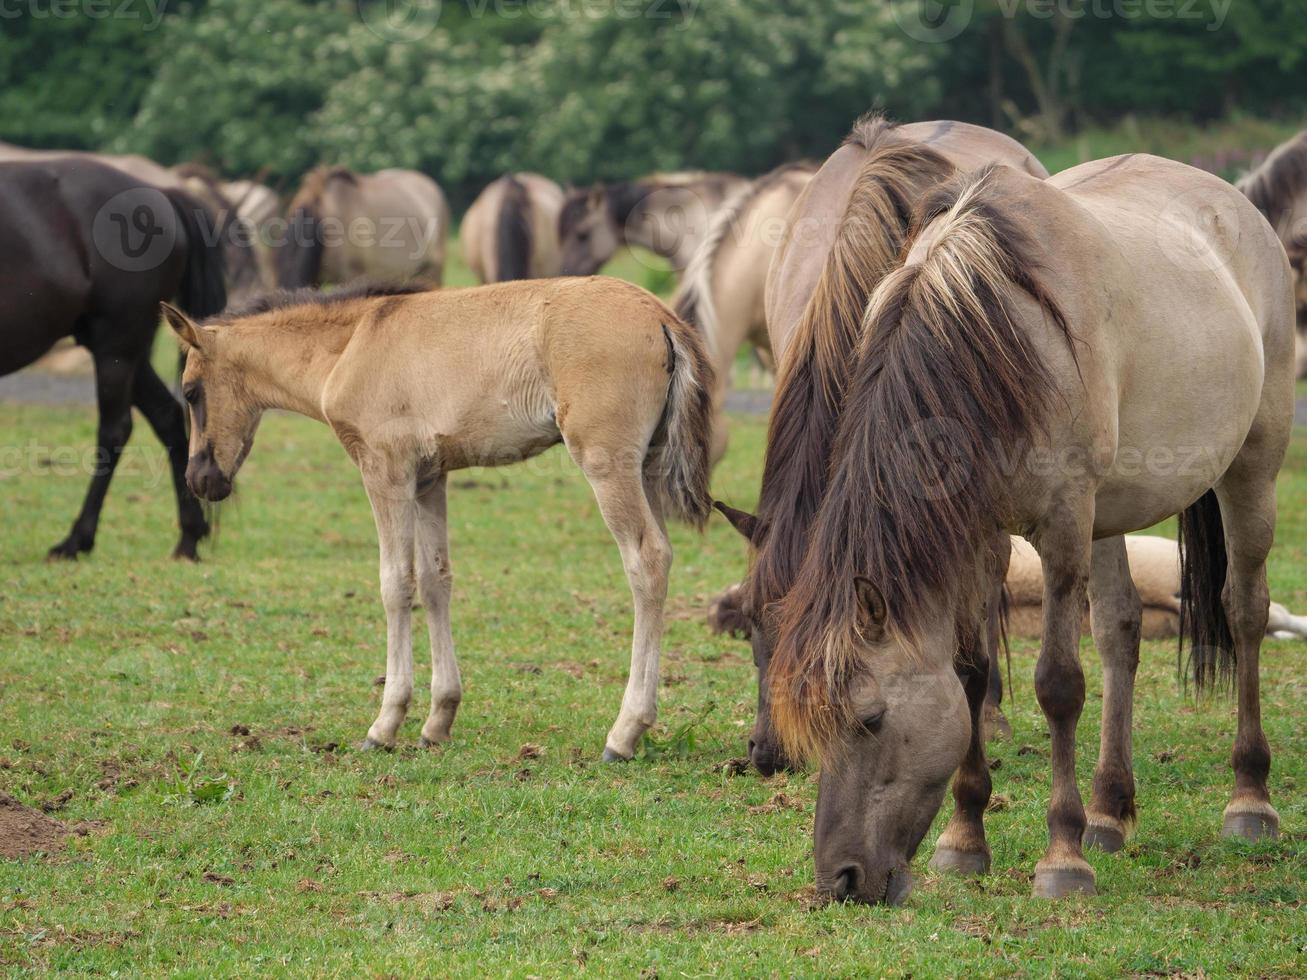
(677,462)
(1202,578)
(203,290)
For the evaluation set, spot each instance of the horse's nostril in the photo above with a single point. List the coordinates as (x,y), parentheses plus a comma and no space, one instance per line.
(752,743)
(846,883)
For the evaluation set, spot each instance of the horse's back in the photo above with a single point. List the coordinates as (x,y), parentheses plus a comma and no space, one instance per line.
(968,146)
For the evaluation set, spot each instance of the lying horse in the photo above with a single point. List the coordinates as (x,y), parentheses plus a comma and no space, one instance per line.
(417,384)
(723,286)
(511,229)
(843,237)
(1072,360)
(1279,190)
(90,252)
(390,225)
(668,214)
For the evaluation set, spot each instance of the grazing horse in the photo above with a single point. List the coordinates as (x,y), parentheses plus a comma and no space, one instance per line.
(390,225)
(511,229)
(723,286)
(1070,360)
(844,235)
(1279,189)
(668,214)
(90,252)
(259,207)
(417,384)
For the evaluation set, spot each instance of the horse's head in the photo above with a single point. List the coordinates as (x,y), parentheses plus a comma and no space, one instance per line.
(588,232)
(223,415)
(889,722)
(735,612)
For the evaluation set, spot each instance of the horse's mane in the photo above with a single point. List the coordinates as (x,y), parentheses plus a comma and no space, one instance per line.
(1280,179)
(694,301)
(281,299)
(812,375)
(943,360)
(315,183)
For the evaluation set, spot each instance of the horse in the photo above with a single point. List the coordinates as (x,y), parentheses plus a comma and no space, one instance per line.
(240,261)
(1279,190)
(665,213)
(1154,569)
(722,288)
(259,207)
(844,235)
(390,225)
(416,385)
(89,252)
(1069,360)
(511,229)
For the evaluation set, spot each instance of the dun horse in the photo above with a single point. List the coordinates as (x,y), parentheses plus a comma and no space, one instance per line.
(89,252)
(723,286)
(844,235)
(998,388)
(390,226)
(1279,189)
(418,384)
(511,229)
(668,214)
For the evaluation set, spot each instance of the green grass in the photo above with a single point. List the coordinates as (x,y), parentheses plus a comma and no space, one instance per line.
(284,851)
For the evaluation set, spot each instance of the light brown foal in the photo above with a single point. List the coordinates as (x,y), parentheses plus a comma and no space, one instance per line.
(417,384)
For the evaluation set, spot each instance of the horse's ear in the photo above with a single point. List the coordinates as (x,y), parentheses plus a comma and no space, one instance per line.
(741,520)
(871,604)
(185,328)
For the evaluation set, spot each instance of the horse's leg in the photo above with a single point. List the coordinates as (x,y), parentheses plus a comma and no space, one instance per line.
(394,509)
(435,583)
(114,374)
(962,847)
(156,403)
(1247,497)
(1064,545)
(1116,615)
(995,723)
(637,527)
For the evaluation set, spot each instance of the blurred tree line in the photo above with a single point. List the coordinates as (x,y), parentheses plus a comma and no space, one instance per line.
(595,89)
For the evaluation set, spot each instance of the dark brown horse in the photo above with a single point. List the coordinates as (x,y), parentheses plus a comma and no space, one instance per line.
(90,252)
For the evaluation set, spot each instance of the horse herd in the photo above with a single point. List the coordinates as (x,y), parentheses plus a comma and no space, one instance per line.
(966,349)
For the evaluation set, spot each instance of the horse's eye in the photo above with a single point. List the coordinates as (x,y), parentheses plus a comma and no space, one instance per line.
(191,393)
(583,236)
(873,722)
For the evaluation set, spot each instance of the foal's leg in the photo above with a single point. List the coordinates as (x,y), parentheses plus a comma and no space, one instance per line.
(962,846)
(435,584)
(1064,547)
(1247,498)
(1115,614)
(395,511)
(161,410)
(631,515)
(114,374)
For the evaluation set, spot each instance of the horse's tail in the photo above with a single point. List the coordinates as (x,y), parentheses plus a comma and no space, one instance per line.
(677,461)
(513,232)
(1202,577)
(299,260)
(203,289)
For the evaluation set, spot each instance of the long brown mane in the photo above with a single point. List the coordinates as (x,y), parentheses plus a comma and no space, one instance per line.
(812,377)
(1280,179)
(943,359)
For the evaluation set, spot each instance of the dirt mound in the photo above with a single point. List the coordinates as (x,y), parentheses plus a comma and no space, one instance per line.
(25,831)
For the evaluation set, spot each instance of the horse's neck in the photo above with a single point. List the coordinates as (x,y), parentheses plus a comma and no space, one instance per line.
(288,365)
(646,223)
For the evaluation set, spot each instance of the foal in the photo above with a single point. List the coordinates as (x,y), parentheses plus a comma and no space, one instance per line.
(416,384)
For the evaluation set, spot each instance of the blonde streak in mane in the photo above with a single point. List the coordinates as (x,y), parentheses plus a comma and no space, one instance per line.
(698,279)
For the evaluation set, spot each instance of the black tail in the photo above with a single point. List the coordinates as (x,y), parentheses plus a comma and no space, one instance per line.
(299,261)
(1202,578)
(203,291)
(513,233)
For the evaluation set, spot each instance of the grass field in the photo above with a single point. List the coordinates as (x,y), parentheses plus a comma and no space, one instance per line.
(196,725)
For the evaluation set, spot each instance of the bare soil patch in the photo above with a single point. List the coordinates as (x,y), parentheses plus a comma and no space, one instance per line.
(25,831)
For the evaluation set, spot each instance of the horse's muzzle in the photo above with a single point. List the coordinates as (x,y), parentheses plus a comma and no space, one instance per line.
(205,478)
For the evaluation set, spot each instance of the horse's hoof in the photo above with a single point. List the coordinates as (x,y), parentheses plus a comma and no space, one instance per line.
(611,756)
(66,550)
(1063,880)
(372,745)
(431,743)
(1253,825)
(186,551)
(1104,836)
(953,861)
